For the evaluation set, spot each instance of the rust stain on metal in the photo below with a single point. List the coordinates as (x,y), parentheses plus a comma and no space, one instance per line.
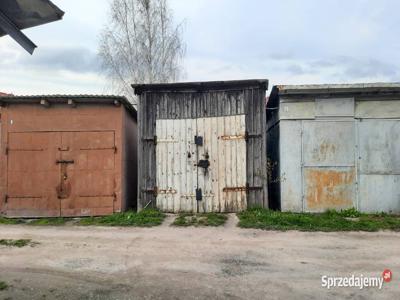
(323,151)
(235,189)
(168,191)
(233,137)
(329,188)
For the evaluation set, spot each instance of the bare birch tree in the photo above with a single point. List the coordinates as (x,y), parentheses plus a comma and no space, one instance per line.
(140,44)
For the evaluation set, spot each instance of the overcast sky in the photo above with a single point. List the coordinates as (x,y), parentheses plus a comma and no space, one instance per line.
(288,42)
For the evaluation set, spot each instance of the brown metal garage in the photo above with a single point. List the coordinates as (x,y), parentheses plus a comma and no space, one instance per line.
(67,155)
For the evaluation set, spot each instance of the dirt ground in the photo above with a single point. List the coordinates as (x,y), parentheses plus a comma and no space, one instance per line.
(165,262)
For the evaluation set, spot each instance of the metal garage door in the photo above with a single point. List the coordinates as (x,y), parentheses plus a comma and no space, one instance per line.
(379,165)
(328,166)
(201,164)
(32,174)
(60,173)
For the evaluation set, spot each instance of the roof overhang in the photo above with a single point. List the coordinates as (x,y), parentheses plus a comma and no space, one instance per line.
(200,86)
(380,88)
(72,100)
(16,15)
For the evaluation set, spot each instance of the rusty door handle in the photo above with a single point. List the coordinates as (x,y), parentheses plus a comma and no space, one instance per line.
(63,161)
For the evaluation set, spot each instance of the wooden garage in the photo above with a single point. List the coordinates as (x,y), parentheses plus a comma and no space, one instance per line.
(67,155)
(202,146)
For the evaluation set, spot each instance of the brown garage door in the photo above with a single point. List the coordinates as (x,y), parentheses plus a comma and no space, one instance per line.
(61,174)
(32,174)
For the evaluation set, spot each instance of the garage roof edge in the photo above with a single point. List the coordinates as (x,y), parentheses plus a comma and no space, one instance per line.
(199,86)
(63,99)
(327,89)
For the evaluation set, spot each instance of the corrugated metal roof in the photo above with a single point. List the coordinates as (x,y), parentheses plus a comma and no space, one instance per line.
(63,99)
(199,86)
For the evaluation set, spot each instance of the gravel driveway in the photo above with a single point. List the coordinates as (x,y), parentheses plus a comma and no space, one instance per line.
(72,262)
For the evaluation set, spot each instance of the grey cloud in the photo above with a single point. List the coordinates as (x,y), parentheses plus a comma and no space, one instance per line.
(295,69)
(344,67)
(74,59)
(370,67)
(281,56)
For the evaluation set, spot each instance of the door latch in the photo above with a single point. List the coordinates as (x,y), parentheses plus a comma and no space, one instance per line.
(203,163)
(198,140)
(199,195)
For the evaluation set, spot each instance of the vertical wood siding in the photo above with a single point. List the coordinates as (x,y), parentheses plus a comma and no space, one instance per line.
(192,105)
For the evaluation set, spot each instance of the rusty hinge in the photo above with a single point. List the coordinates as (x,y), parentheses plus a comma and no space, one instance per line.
(246,188)
(167,191)
(63,148)
(153,191)
(63,161)
(115,196)
(248,136)
(115,149)
(153,139)
(6,198)
(252,188)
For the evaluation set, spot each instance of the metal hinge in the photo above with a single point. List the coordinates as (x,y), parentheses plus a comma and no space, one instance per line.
(6,198)
(153,191)
(115,196)
(115,149)
(248,136)
(6,150)
(246,188)
(252,188)
(153,139)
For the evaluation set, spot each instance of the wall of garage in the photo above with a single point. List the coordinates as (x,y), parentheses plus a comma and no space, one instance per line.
(229,118)
(338,147)
(66,156)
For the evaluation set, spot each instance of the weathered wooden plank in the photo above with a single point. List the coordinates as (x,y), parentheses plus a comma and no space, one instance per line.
(241,159)
(221,164)
(160,152)
(214,163)
(209,174)
(192,175)
(201,171)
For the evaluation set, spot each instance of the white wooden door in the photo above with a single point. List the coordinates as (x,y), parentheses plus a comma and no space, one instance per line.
(222,183)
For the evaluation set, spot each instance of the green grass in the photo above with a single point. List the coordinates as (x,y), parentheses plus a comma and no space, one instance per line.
(3,286)
(48,222)
(10,221)
(144,218)
(204,219)
(16,243)
(345,220)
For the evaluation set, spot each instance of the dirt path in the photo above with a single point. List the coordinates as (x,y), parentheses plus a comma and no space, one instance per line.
(192,263)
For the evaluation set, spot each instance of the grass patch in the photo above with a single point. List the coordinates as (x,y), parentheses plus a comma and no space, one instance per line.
(204,219)
(48,222)
(3,286)
(331,220)
(10,221)
(144,218)
(17,243)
